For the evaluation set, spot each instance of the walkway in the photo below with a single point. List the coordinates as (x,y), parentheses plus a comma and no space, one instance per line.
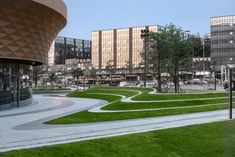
(24,128)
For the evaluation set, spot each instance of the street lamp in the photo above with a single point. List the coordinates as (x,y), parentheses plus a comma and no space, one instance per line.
(144,35)
(203,55)
(84,79)
(230,92)
(213,67)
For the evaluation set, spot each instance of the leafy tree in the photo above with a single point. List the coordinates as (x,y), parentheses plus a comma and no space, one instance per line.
(38,71)
(77,73)
(110,68)
(93,74)
(207,42)
(197,45)
(156,54)
(128,66)
(178,52)
(52,77)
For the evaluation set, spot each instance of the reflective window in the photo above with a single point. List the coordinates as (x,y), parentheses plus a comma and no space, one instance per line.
(71,49)
(10,75)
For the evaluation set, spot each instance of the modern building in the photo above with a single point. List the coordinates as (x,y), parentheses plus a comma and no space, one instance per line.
(222,39)
(27,30)
(223,44)
(69,51)
(123,47)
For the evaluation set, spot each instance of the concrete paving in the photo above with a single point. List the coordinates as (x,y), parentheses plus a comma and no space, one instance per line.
(24,128)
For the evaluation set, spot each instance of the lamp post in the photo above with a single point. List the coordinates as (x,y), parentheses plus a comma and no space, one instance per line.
(230,92)
(215,75)
(203,58)
(144,35)
(84,79)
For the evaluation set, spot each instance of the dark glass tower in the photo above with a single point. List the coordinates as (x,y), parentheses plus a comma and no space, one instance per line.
(67,49)
(223,39)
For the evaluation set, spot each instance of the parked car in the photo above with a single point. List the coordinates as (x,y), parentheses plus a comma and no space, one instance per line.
(74,88)
(113,83)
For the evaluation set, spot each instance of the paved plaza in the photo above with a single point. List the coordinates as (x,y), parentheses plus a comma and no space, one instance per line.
(24,128)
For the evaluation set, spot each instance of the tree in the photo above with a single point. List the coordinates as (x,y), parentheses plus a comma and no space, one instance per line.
(93,74)
(128,66)
(178,52)
(38,71)
(110,68)
(52,77)
(197,45)
(77,73)
(159,45)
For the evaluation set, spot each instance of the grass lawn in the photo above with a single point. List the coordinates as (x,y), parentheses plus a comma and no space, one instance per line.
(128,92)
(146,96)
(115,104)
(209,140)
(87,117)
(134,106)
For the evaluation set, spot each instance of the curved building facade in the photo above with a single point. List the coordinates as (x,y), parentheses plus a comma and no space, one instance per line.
(27,30)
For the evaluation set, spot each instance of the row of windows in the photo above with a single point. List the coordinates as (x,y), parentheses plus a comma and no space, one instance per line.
(122,46)
(222,50)
(222,54)
(222,28)
(226,41)
(69,41)
(223,33)
(223,20)
(223,45)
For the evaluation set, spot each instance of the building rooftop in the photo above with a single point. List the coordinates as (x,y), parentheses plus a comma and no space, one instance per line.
(222,16)
(72,38)
(125,28)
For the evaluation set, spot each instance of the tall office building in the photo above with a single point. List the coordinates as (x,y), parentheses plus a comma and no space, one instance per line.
(121,46)
(222,39)
(69,51)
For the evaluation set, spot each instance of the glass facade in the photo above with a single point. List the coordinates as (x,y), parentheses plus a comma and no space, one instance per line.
(122,46)
(95,49)
(222,39)
(70,49)
(15,83)
(107,47)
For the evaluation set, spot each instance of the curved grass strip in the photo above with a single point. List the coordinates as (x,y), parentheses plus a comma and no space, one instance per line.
(150,97)
(138,106)
(100,110)
(126,104)
(88,117)
(114,98)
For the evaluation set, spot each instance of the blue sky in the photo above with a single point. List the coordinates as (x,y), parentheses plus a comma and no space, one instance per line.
(85,16)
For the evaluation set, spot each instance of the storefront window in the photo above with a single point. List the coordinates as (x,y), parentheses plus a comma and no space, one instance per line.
(13,75)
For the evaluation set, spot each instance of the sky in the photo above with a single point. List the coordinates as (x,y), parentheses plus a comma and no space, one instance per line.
(85,16)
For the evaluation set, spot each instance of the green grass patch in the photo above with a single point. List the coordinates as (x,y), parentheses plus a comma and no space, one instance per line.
(153,105)
(88,117)
(148,97)
(115,104)
(108,98)
(104,93)
(208,140)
